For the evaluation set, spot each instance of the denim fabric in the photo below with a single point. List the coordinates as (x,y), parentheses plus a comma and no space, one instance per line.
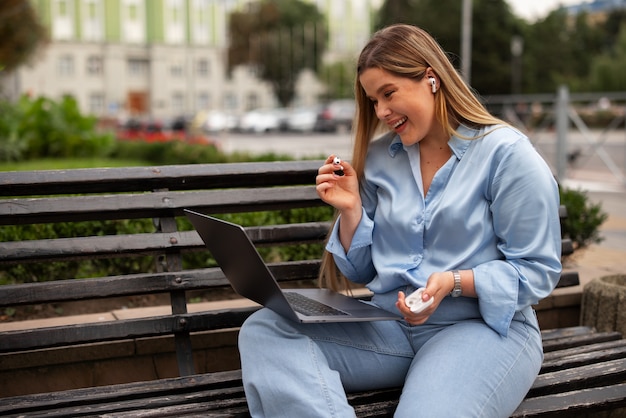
(455,365)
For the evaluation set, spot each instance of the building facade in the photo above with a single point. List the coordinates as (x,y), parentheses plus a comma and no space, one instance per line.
(163,58)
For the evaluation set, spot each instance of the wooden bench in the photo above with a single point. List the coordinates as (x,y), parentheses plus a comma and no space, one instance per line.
(592,369)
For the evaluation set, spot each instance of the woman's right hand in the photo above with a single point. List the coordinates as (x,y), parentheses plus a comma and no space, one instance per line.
(341,192)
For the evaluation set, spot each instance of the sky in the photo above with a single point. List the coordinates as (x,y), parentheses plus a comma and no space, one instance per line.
(532,10)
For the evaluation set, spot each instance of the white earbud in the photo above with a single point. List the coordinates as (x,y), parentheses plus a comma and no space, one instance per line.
(433,84)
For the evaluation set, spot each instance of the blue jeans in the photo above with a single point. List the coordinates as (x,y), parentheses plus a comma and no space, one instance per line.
(452,366)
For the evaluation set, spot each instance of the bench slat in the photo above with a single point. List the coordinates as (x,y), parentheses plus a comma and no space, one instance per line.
(156,388)
(122,329)
(173,177)
(129,285)
(149,243)
(578,340)
(154,205)
(600,352)
(599,399)
(604,373)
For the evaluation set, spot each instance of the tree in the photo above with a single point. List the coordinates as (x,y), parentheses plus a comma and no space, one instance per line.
(21,33)
(493,25)
(339,77)
(278,38)
(561,50)
(607,71)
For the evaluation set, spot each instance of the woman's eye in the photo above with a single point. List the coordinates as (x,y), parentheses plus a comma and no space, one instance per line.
(388,94)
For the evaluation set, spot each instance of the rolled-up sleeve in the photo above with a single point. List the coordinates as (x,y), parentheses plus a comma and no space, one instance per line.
(525,213)
(356,264)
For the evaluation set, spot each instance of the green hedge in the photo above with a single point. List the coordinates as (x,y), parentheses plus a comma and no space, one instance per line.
(41,272)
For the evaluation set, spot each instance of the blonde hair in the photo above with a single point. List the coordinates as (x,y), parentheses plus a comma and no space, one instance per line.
(406,51)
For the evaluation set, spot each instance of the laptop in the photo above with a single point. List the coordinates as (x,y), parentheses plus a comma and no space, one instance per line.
(251,278)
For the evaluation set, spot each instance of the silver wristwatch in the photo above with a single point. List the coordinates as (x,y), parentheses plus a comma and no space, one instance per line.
(457,291)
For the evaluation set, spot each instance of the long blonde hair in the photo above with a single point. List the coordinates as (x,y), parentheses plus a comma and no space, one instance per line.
(406,51)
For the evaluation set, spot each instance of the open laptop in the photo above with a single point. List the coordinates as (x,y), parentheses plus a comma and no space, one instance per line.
(250,277)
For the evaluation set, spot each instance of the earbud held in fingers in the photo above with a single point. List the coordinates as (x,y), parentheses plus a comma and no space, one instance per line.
(339,170)
(433,84)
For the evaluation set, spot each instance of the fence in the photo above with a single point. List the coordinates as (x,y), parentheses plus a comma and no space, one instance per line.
(595,120)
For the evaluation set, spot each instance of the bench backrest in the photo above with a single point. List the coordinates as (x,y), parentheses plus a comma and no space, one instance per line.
(160,194)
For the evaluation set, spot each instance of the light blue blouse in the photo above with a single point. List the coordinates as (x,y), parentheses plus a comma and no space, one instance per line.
(493,208)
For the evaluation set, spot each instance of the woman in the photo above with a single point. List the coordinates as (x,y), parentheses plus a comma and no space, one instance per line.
(451,199)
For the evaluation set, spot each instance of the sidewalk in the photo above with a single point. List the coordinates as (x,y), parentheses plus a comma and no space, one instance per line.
(609,256)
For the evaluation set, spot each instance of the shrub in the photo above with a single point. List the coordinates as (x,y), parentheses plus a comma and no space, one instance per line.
(583,218)
(41,127)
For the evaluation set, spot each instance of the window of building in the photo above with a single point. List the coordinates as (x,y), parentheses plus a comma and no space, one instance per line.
(252,101)
(96,103)
(203,101)
(62,8)
(93,20)
(203,69)
(177,70)
(62,19)
(137,67)
(94,65)
(65,65)
(230,101)
(133,12)
(178,103)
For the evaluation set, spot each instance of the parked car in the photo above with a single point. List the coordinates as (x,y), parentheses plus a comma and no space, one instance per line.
(302,119)
(263,120)
(336,116)
(214,121)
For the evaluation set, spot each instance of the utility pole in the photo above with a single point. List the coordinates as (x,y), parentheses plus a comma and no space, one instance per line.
(466,41)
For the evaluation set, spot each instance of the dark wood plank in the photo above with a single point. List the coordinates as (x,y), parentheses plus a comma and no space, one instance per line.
(137,284)
(579,340)
(598,374)
(568,279)
(587,348)
(122,329)
(594,353)
(103,394)
(556,333)
(568,403)
(173,177)
(19,211)
(149,243)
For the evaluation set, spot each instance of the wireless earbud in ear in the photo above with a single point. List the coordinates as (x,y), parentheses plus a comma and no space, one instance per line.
(433,84)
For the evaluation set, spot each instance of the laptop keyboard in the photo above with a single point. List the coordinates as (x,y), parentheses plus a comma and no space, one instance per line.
(310,307)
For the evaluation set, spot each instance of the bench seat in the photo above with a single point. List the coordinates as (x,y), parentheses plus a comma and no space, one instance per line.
(587,368)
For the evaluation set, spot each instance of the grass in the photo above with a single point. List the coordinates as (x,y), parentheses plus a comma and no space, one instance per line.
(69,163)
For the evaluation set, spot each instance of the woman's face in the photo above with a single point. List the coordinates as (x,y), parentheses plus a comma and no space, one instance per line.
(405,105)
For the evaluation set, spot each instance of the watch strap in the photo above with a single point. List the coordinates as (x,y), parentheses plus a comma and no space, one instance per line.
(457,291)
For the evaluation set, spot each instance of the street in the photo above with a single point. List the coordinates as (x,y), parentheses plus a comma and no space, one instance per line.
(604,159)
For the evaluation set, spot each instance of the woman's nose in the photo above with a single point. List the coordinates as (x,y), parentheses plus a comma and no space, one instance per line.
(382,111)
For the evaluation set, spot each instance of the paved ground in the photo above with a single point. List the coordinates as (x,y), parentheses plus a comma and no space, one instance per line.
(609,256)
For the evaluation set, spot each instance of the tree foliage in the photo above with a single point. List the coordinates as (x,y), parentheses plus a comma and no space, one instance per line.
(278,38)
(609,69)
(493,26)
(581,51)
(42,127)
(21,33)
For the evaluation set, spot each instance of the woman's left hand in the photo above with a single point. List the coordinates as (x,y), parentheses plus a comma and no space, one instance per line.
(439,286)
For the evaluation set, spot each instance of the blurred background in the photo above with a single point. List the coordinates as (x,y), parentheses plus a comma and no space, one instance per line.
(82,78)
